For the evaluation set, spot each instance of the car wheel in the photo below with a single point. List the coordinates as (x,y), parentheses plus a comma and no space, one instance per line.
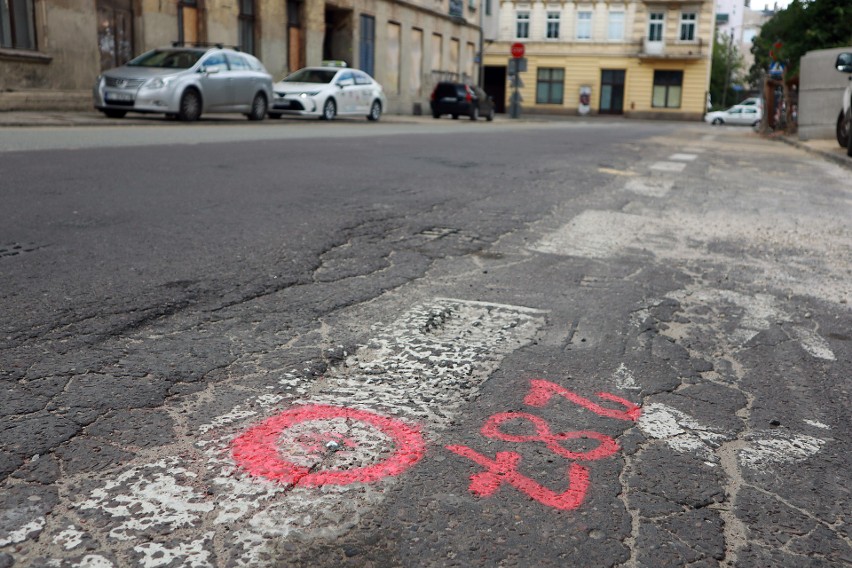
(842,130)
(717,121)
(375,111)
(190,106)
(455,117)
(274,115)
(258,107)
(111,113)
(490,116)
(474,114)
(329,110)
(849,134)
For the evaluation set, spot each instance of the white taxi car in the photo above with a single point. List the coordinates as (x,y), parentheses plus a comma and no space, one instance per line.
(328,91)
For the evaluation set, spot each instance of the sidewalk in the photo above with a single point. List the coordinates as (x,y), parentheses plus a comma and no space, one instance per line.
(828,149)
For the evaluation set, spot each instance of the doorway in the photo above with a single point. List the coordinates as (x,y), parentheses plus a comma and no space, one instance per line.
(295,36)
(115,32)
(494,83)
(612,91)
(339,35)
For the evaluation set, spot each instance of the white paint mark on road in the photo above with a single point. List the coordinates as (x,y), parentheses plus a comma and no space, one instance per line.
(160,494)
(768,447)
(817,424)
(70,538)
(758,313)
(681,431)
(20,535)
(814,344)
(423,368)
(191,554)
(624,379)
(685,434)
(93,561)
(652,187)
(668,166)
(682,157)
(593,234)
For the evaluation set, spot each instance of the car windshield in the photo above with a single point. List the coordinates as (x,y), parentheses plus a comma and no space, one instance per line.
(311,76)
(169,58)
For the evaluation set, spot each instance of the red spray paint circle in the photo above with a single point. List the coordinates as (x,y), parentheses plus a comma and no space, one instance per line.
(257,450)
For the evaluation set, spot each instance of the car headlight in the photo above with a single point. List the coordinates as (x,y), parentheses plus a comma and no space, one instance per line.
(157,83)
(309,94)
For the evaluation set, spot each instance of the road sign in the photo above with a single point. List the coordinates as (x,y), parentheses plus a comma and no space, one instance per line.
(517,50)
(517,65)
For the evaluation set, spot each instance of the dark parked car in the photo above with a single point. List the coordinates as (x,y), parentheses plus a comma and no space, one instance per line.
(458,99)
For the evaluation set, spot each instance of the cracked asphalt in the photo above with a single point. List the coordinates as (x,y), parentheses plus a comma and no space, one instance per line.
(429,343)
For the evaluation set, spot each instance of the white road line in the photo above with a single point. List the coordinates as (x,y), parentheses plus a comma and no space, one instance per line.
(668,166)
(650,186)
(683,157)
(422,369)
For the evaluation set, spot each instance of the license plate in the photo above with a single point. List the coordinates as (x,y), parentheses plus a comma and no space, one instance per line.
(118,96)
(281,103)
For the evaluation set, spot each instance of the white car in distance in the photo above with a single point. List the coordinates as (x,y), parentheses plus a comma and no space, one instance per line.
(749,115)
(328,91)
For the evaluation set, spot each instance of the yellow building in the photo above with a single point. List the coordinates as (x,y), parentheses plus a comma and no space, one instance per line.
(640,58)
(52,50)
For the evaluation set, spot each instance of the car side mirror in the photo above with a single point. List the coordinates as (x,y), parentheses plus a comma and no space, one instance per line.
(844,62)
(209,70)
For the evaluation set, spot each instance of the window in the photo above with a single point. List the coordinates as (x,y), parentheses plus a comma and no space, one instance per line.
(549,86)
(16,24)
(584,25)
(367,44)
(655,26)
(553,25)
(487,7)
(522,25)
(616,26)
(246,26)
(668,86)
(393,58)
(238,62)
(188,22)
(687,26)
(216,61)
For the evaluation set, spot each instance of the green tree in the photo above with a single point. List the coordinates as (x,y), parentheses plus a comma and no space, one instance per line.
(724,71)
(803,26)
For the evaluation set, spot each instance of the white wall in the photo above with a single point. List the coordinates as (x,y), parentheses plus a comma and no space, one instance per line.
(821,89)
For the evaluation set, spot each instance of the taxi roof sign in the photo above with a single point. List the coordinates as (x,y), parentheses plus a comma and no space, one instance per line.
(333,63)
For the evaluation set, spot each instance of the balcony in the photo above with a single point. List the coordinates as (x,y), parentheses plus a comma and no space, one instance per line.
(672,50)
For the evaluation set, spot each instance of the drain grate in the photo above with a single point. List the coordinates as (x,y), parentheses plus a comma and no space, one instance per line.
(14,249)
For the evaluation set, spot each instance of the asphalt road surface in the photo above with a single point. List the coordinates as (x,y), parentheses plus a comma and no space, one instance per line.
(423,343)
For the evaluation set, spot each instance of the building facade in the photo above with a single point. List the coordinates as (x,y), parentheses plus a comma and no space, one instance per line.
(639,58)
(51,51)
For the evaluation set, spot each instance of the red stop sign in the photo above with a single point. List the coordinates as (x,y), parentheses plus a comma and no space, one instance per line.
(517,50)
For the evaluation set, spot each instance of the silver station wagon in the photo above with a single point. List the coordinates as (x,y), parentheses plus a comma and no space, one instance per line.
(185,82)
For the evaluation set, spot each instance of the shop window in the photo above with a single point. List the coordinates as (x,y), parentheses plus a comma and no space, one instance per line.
(668,88)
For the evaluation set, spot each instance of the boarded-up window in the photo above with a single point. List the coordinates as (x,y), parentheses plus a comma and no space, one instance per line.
(437,47)
(454,55)
(416,80)
(393,61)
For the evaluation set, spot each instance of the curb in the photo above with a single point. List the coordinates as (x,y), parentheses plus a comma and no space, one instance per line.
(836,158)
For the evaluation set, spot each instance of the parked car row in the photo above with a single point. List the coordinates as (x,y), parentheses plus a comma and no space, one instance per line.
(184,82)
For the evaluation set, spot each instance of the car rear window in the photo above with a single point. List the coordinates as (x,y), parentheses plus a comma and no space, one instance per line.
(447,90)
